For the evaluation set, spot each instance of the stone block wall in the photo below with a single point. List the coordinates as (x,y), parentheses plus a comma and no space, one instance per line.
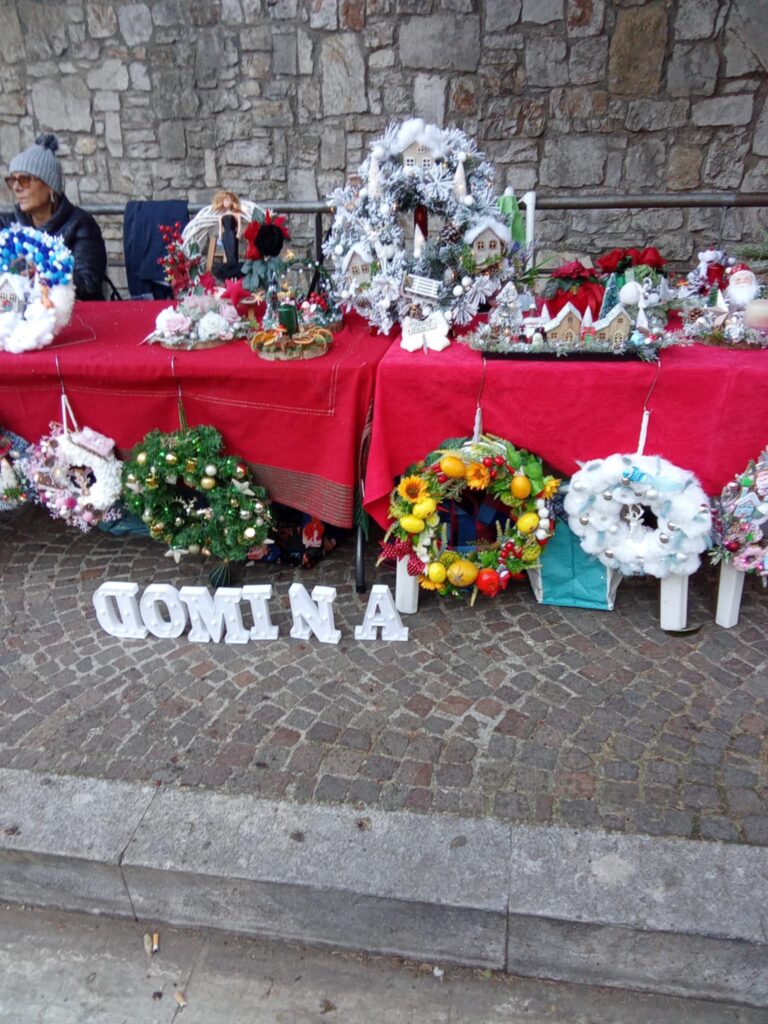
(278,99)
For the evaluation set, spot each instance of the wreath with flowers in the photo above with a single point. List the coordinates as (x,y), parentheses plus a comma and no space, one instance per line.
(512,478)
(741,520)
(419,171)
(640,514)
(37,292)
(75,476)
(195,499)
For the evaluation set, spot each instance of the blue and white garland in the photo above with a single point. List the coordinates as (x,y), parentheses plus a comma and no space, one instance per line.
(451,179)
(39,269)
(613,504)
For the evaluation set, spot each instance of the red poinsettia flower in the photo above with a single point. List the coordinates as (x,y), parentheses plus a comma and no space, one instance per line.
(585,294)
(609,262)
(575,270)
(266,238)
(208,282)
(651,257)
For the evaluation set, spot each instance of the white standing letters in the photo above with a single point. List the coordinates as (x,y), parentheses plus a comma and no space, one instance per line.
(165,612)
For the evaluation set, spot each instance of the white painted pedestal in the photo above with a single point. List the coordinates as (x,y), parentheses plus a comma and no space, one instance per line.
(406,589)
(674,602)
(729,593)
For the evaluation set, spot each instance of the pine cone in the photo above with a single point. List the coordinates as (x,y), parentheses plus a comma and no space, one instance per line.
(450,235)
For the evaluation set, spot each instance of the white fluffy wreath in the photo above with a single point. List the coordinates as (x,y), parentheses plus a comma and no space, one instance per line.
(451,179)
(608,502)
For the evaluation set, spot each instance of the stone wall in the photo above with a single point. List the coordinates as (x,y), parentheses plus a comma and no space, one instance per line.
(279,98)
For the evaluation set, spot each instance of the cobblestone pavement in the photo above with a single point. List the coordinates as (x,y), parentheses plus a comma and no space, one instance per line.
(527,713)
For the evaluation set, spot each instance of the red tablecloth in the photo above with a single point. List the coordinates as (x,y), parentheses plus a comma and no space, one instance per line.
(299,422)
(709,409)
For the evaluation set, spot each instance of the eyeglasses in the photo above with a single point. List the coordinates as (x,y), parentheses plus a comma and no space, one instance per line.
(14,181)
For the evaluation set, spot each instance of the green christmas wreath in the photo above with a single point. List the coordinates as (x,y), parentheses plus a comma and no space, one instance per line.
(195,499)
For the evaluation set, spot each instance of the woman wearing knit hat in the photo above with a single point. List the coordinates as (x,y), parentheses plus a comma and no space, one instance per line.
(35,179)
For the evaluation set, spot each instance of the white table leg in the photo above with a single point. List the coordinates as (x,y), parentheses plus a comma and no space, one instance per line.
(729,592)
(674,602)
(406,589)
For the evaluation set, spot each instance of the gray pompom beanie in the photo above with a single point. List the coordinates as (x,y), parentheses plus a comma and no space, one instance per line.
(41,160)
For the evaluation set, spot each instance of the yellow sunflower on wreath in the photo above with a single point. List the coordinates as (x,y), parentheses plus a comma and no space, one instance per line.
(413,488)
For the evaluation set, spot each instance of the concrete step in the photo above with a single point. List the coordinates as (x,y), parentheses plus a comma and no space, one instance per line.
(663,915)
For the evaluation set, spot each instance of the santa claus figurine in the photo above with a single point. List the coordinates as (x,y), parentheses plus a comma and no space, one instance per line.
(742,287)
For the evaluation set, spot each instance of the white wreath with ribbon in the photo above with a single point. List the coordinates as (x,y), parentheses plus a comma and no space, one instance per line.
(640,514)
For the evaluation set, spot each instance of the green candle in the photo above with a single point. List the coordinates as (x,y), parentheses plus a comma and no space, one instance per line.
(288,317)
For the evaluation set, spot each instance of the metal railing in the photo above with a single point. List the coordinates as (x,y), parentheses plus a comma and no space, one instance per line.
(610,201)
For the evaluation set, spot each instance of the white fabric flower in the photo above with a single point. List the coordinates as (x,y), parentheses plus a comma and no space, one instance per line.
(213,325)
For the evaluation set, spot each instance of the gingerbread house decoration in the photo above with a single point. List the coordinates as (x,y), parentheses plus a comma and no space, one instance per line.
(488,239)
(565,326)
(356,265)
(616,326)
(13,293)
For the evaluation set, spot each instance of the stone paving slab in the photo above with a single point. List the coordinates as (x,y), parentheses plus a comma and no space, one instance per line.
(61,840)
(666,915)
(512,710)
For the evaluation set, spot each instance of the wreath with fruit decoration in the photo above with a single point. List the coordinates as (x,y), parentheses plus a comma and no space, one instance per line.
(422,172)
(195,499)
(420,508)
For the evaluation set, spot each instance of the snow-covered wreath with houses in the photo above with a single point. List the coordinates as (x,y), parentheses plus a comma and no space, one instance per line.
(36,288)
(456,257)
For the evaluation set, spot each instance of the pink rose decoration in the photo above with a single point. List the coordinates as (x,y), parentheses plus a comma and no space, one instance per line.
(229,313)
(169,322)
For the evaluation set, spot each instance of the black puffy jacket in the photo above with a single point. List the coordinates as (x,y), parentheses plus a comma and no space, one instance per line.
(82,236)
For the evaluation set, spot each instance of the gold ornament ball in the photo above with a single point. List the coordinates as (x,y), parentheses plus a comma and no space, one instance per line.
(171,458)
(152,483)
(234,503)
(206,552)
(130,478)
(210,469)
(157,528)
(146,515)
(190,465)
(207,483)
(141,458)
(249,533)
(178,521)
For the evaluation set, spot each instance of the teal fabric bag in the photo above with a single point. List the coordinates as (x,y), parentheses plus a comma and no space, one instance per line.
(570,578)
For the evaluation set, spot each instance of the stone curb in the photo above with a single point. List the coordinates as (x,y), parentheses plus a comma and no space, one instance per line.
(670,916)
